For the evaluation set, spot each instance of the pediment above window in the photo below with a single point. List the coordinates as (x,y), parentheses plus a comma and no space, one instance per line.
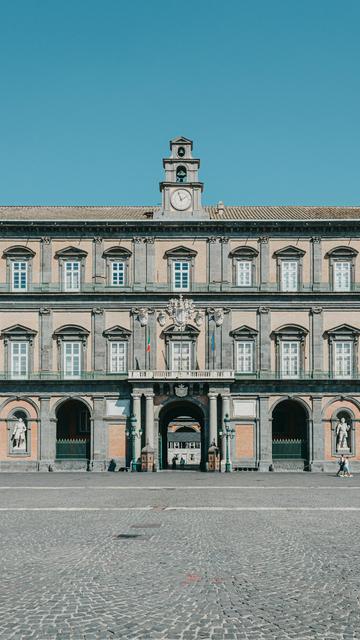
(243,332)
(18,251)
(71,252)
(244,252)
(342,331)
(290,331)
(180,252)
(189,333)
(117,252)
(341,252)
(289,252)
(71,332)
(18,331)
(117,333)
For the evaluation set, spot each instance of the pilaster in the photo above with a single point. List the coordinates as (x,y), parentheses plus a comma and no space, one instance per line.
(47,435)
(317,340)
(264,339)
(46,341)
(264,261)
(139,263)
(213,437)
(46,258)
(98,261)
(150,260)
(149,419)
(136,398)
(214,261)
(98,340)
(99,453)
(264,435)
(318,445)
(316,262)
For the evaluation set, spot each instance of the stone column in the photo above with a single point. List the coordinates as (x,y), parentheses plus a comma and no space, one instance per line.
(46,257)
(98,261)
(318,444)
(265,340)
(99,452)
(98,340)
(46,340)
(137,413)
(225,409)
(265,435)
(316,263)
(212,418)
(149,420)
(264,261)
(225,260)
(47,435)
(317,340)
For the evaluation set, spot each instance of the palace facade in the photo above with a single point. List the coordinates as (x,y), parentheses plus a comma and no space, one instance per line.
(122,327)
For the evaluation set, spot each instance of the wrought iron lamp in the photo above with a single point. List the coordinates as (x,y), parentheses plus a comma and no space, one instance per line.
(228,433)
(132,433)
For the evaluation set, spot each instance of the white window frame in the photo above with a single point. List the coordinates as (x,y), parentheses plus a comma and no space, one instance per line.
(182,346)
(244,276)
(19,371)
(245,361)
(344,275)
(72,273)
(118,273)
(183,272)
(287,360)
(343,358)
(72,372)
(20,271)
(287,276)
(116,357)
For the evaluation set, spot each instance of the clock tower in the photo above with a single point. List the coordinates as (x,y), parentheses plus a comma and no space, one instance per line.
(181,189)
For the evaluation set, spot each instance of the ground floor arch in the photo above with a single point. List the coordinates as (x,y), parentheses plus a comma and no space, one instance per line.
(72,430)
(290,431)
(182,436)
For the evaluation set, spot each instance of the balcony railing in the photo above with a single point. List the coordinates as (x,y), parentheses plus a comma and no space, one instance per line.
(193,374)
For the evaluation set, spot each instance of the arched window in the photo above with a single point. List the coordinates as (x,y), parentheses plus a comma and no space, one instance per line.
(181,174)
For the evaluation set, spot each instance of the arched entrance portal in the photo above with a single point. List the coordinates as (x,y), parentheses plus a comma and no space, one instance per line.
(181,436)
(72,431)
(290,431)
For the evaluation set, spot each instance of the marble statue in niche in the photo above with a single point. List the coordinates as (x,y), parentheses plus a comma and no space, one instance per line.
(18,436)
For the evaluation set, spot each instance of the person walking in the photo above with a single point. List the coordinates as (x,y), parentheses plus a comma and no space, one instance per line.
(173,463)
(182,463)
(347,473)
(341,463)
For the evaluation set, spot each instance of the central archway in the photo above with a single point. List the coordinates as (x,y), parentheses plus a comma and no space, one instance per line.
(182,435)
(72,431)
(290,426)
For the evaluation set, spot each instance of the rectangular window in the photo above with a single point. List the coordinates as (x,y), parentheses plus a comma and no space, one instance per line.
(181,275)
(19,359)
(118,357)
(245,363)
(343,359)
(72,359)
(290,359)
(289,275)
(342,276)
(72,276)
(244,271)
(181,356)
(19,275)
(117,274)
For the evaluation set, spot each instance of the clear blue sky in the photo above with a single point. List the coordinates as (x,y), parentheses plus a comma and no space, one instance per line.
(91,91)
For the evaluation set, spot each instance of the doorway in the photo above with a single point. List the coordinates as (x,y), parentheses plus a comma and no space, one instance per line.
(72,431)
(290,431)
(181,437)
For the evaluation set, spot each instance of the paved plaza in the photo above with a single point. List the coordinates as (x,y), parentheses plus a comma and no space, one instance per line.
(179,555)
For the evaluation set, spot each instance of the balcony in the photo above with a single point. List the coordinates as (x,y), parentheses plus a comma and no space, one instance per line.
(193,374)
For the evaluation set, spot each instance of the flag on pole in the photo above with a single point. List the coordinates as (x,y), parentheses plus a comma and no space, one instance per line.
(148,345)
(213,341)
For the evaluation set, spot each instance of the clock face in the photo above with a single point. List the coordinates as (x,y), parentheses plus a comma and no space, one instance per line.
(181,199)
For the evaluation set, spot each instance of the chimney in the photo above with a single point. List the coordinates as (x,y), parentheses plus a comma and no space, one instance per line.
(220,209)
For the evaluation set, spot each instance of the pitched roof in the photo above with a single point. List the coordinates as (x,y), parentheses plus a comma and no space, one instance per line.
(115,213)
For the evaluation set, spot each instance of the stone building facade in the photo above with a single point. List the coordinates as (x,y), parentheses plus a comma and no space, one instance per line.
(179,315)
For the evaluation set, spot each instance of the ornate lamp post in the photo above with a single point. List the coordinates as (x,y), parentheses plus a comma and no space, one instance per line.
(132,433)
(228,433)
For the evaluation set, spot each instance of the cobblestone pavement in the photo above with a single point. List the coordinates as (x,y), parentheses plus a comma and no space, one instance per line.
(249,556)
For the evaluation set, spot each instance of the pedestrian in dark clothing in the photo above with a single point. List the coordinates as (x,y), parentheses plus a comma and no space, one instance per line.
(341,463)
(174,461)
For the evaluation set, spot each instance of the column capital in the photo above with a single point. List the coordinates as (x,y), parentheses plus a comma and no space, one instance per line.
(264,310)
(316,239)
(263,239)
(149,396)
(316,310)
(97,311)
(136,395)
(212,396)
(44,311)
